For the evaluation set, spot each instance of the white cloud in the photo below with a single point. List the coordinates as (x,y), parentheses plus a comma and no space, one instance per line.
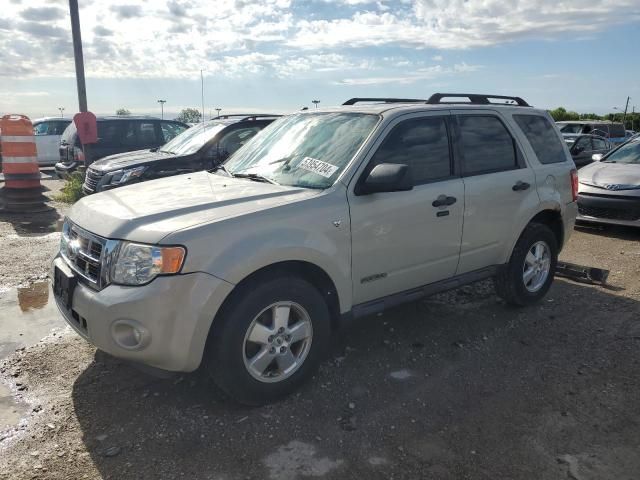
(426,73)
(177,38)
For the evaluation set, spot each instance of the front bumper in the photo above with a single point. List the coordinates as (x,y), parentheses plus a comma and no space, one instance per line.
(64,169)
(173,315)
(609,209)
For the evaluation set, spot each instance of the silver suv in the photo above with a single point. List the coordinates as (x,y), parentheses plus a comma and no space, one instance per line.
(323,216)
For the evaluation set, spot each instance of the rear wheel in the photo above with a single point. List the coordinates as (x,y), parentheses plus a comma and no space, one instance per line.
(530,271)
(269,339)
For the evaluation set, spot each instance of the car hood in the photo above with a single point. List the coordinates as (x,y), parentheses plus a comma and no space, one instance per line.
(127,159)
(149,211)
(601,174)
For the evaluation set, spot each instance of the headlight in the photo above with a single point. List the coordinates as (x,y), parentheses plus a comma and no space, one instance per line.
(138,264)
(123,176)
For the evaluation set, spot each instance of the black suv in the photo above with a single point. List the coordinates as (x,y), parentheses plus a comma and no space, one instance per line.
(116,135)
(202,147)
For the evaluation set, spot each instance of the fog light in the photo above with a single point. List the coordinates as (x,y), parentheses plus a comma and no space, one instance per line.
(130,334)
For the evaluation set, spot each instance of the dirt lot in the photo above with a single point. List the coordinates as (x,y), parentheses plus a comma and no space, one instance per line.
(458,386)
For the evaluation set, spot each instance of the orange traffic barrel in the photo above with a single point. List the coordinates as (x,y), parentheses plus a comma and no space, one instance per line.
(22,189)
(19,155)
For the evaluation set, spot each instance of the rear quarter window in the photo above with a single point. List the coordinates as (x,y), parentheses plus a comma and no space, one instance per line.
(542,137)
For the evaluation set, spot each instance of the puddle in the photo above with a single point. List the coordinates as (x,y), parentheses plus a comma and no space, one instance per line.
(38,226)
(26,315)
(11,412)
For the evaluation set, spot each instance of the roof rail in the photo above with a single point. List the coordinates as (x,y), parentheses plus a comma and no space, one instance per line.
(474,98)
(247,116)
(353,101)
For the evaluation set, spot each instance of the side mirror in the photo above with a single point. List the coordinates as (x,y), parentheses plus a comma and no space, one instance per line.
(578,150)
(387,177)
(597,157)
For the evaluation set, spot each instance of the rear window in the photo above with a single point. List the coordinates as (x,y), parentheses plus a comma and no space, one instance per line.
(616,130)
(542,137)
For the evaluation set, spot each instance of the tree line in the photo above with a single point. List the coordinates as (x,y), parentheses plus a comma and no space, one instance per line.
(631,122)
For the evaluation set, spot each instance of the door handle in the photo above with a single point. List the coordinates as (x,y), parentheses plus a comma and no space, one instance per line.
(444,200)
(520,185)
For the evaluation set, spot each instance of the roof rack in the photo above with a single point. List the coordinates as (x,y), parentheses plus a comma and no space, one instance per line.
(474,98)
(353,101)
(247,116)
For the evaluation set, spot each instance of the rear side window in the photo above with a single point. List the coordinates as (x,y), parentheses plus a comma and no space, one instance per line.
(109,133)
(147,134)
(487,145)
(542,138)
(421,143)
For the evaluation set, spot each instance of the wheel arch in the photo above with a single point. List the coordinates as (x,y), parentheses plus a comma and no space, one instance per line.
(306,270)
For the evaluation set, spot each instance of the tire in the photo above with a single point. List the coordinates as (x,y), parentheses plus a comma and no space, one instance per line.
(234,361)
(510,282)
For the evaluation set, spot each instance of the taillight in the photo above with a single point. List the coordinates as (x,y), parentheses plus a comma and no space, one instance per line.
(574,184)
(78,155)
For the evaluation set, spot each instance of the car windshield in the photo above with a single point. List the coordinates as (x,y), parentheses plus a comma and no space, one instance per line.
(628,153)
(307,150)
(192,139)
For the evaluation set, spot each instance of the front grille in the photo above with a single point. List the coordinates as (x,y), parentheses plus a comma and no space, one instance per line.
(609,213)
(84,254)
(92,179)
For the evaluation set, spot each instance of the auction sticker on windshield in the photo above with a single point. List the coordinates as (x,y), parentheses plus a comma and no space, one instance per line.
(317,166)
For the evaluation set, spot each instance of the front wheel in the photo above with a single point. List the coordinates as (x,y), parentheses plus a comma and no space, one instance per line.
(530,271)
(268,339)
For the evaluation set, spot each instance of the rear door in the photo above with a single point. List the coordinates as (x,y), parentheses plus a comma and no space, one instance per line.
(499,187)
(111,138)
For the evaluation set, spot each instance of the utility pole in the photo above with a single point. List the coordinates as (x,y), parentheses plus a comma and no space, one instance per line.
(79,61)
(202,94)
(61,111)
(315,102)
(218,110)
(626,107)
(162,102)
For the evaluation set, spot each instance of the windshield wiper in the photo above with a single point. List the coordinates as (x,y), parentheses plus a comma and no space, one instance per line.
(167,151)
(255,177)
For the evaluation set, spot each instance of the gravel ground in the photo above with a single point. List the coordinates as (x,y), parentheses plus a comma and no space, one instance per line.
(459,386)
(29,241)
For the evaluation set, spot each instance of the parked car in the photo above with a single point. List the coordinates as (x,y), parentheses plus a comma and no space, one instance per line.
(201,147)
(48,132)
(326,215)
(116,134)
(630,133)
(609,190)
(584,147)
(614,132)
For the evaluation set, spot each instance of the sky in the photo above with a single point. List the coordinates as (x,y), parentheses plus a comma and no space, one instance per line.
(279,55)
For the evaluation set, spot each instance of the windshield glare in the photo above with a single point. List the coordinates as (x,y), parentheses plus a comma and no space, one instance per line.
(304,150)
(192,139)
(629,153)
